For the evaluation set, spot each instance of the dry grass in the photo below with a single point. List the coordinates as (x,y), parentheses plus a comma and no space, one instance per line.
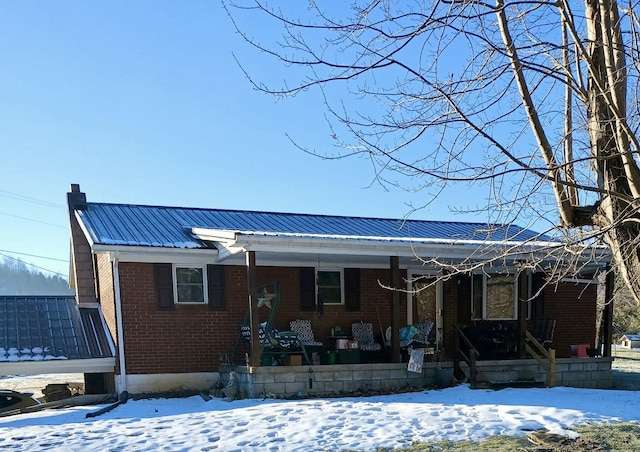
(622,437)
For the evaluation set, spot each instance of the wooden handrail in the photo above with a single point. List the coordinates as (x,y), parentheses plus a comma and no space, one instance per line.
(546,358)
(471,359)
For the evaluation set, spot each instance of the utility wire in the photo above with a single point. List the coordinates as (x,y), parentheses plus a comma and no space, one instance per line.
(18,196)
(35,255)
(32,219)
(33,265)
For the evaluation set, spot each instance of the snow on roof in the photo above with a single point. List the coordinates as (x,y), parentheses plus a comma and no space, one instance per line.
(43,328)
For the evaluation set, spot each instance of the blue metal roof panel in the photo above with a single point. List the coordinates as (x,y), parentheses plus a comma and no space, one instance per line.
(41,328)
(118,224)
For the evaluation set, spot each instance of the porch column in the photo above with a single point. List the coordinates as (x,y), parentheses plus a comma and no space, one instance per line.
(607,314)
(523,296)
(395,309)
(252,295)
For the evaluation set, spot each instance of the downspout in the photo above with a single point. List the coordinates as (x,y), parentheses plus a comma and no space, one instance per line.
(119,326)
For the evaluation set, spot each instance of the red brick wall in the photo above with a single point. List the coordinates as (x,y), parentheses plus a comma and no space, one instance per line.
(194,338)
(104,273)
(107,296)
(573,306)
(189,339)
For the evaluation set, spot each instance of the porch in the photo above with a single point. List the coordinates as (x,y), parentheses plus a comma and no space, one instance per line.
(379,378)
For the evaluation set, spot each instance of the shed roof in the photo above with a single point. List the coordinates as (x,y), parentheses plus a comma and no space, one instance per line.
(171,227)
(45,328)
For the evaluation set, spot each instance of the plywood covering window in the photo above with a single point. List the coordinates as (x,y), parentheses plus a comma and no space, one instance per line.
(494,296)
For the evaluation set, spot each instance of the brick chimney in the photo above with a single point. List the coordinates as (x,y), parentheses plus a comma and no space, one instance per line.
(82,274)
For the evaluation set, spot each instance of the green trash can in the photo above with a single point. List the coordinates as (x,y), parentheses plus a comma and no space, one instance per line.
(332,357)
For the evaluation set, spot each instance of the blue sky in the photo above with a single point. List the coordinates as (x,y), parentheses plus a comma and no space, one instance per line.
(142,102)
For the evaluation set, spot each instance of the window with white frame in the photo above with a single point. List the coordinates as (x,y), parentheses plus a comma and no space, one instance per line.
(330,287)
(494,296)
(189,284)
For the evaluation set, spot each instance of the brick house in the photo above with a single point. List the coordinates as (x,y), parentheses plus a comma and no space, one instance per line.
(176,284)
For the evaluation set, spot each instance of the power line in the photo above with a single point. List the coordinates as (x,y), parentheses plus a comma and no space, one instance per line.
(35,255)
(19,197)
(32,219)
(33,265)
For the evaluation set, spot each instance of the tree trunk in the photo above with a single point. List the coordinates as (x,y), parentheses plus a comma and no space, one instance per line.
(618,216)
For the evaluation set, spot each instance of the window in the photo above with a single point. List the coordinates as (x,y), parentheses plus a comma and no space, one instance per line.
(190,284)
(494,296)
(329,286)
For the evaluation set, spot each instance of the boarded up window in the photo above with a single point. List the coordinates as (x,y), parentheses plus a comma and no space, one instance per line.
(500,302)
(164,287)
(424,299)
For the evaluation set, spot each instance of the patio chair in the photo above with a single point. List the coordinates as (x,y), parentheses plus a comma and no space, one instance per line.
(407,333)
(303,329)
(274,339)
(415,335)
(363,333)
(421,338)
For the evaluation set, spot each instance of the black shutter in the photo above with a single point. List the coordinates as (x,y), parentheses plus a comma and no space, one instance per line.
(537,308)
(164,287)
(352,289)
(215,275)
(464,299)
(307,289)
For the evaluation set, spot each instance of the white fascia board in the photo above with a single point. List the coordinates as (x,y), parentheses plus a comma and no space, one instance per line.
(159,255)
(412,240)
(370,247)
(227,234)
(58,366)
(85,231)
(215,235)
(236,241)
(226,241)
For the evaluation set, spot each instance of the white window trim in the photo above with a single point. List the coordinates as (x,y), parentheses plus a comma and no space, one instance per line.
(484,296)
(341,270)
(205,283)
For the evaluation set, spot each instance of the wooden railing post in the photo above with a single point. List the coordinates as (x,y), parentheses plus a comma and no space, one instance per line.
(552,368)
(540,354)
(473,369)
(471,359)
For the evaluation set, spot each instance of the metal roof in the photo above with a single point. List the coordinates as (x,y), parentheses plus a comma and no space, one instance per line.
(41,328)
(157,226)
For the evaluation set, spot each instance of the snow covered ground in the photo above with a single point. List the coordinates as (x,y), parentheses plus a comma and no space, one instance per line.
(192,424)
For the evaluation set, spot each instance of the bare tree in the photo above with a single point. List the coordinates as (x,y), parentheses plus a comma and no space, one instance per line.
(527,98)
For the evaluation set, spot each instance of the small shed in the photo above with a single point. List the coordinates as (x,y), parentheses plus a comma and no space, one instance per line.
(630,340)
